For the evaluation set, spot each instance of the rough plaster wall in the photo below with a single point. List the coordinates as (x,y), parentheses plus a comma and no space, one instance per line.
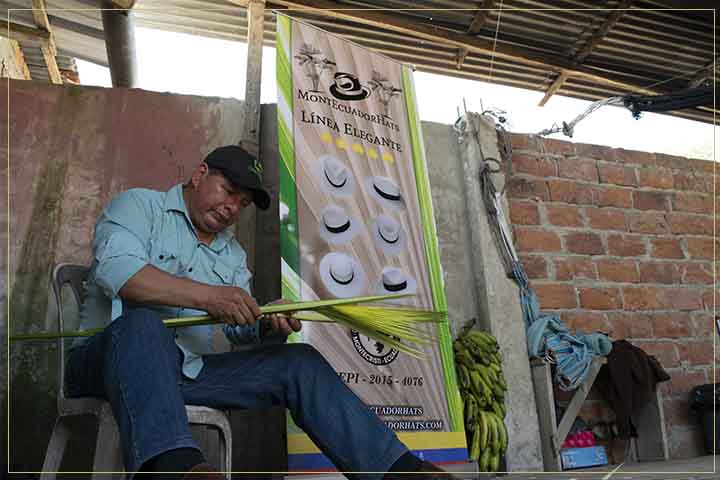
(71,149)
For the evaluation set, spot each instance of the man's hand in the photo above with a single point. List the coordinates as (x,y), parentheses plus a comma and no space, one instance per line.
(281,323)
(232,305)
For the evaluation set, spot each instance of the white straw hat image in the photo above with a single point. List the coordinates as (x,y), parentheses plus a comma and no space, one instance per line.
(395,280)
(385,191)
(336,227)
(388,235)
(341,275)
(334,176)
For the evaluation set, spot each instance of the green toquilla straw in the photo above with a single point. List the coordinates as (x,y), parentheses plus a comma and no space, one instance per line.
(389,325)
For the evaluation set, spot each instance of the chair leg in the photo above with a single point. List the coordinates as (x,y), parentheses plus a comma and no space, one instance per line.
(55,450)
(107,448)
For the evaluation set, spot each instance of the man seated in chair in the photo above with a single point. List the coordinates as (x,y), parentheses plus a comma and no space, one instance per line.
(171,254)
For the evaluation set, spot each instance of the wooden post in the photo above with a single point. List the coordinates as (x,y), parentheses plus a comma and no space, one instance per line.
(250,134)
(251,118)
(47,45)
(545,400)
(120,44)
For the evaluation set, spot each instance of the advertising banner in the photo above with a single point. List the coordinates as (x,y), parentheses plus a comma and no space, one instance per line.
(356,220)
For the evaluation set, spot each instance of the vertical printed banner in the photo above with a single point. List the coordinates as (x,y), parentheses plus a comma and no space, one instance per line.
(356,219)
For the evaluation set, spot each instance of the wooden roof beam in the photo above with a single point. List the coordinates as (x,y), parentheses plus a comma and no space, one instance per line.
(17,31)
(476,25)
(591,43)
(47,45)
(460,39)
(708,71)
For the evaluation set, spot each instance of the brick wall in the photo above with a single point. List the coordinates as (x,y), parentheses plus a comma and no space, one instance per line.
(622,242)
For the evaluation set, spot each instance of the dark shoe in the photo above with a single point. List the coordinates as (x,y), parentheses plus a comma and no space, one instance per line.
(204,471)
(426,471)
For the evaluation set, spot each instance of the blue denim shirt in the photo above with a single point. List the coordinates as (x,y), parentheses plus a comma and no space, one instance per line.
(146,227)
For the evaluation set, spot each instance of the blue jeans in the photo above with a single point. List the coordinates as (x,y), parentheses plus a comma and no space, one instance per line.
(136,365)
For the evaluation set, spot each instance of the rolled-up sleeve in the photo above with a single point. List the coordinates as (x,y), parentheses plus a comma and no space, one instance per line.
(122,239)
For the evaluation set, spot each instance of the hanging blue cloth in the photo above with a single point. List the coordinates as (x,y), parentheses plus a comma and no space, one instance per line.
(549,338)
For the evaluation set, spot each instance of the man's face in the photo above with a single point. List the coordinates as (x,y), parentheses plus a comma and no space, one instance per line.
(214,203)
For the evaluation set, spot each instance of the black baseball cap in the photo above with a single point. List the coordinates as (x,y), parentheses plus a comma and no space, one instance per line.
(242,169)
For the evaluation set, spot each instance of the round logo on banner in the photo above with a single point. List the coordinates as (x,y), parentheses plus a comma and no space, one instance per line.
(371,350)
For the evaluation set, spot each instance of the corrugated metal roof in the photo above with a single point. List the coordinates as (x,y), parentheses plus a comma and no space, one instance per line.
(661,50)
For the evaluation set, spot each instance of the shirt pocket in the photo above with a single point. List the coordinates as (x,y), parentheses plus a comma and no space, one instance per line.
(223,273)
(166,256)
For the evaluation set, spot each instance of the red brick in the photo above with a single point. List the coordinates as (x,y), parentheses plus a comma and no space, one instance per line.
(671,325)
(655,178)
(683,298)
(600,298)
(665,353)
(558,147)
(612,197)
(617,174)
(570,268)
(659,272)
(555,295)
(700,353)
(626,245)
(593,151)
(519,187)
(520,141)
(682,381)
(690,182)
(584,243)
(564,215)
(666,248)
(587,322)
(578,169)
(532,165)
(683,223)
(671,161)
(622,271)
(570,192)
(650,200)
(634,157)
(629,325)
(693,202)
(703,324)
(644,298)
(535,266)
(710,300)
(702,248)
(697,273)
(536,240)
(702,166)
(645,222)
(606,219)
(524,212)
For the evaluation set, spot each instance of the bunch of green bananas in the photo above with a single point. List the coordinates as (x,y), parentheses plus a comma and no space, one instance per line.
(482,387)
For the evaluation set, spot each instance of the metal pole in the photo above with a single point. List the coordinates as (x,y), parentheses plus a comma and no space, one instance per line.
(119,29)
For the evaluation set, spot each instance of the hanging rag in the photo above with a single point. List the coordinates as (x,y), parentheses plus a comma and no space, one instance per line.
(627,381)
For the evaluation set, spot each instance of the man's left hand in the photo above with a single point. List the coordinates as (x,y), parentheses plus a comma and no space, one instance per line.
(281,323)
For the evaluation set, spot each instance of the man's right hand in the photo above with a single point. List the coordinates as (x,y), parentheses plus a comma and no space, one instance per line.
(232,305)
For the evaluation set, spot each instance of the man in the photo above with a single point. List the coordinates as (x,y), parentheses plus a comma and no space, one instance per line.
(171,254)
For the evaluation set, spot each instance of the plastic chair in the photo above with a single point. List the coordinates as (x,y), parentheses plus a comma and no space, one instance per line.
(107,446)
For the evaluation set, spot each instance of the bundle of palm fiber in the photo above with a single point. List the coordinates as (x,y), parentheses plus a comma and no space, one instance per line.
(393,326)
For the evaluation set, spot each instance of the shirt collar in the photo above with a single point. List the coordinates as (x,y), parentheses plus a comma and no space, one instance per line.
(174,201)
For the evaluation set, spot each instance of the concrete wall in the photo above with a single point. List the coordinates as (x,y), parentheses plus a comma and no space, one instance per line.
(622,242)
(71,148)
